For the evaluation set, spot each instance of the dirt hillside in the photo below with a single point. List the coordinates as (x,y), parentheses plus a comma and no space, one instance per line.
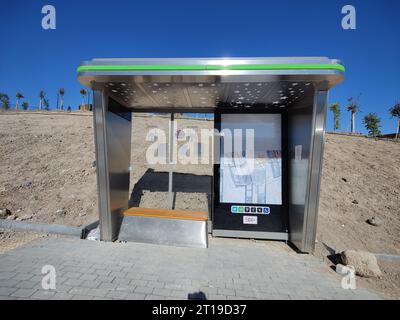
(45,168)
(360,179)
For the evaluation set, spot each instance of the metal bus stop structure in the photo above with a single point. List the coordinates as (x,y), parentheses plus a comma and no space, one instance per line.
(285,98)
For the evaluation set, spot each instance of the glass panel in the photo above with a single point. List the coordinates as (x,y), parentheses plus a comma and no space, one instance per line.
(251,161)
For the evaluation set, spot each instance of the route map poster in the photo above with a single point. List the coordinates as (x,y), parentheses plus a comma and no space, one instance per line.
(252,177)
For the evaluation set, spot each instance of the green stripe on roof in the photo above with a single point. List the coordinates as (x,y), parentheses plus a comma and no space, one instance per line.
(211,67)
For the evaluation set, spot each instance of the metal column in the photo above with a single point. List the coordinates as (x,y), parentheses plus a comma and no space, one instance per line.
(113,125)
(171,141)
(315,169)
(306,141)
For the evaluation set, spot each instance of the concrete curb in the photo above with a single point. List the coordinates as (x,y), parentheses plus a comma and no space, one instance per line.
(38,227)
(387,257)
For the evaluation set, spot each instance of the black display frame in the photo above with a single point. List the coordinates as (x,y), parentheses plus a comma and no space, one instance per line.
(277,219)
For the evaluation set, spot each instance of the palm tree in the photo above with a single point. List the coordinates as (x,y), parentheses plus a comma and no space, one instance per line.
(372,124)
(5,101)
(395,113)
(46,104)
(353,107)
(42,95)
(335,108)
(61,93)
(25,105)
(83,92)
(19,96)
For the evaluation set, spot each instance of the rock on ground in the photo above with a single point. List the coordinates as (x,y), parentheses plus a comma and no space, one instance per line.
(374,221)
(364,263)
(4,213)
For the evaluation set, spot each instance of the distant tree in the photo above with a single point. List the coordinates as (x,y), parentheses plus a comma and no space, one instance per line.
(5,101)
(353,107)
(372,124)
(83,93)
(61,92)
(42,96)
(25,105)
(395,113)
(19,96)
(335,108)
(46,104)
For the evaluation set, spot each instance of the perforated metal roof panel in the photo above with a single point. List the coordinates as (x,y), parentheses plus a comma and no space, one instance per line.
(209,83)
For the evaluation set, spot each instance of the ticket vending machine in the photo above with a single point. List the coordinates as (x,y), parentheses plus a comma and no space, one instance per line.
(250,194)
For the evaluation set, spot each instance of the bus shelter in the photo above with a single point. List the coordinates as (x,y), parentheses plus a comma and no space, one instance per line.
(282,100)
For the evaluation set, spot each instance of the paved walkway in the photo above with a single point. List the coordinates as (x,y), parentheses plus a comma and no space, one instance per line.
(228,269)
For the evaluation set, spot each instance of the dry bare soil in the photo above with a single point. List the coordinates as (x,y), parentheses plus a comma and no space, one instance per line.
(46,175)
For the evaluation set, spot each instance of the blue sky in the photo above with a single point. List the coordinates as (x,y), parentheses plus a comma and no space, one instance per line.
(32,59)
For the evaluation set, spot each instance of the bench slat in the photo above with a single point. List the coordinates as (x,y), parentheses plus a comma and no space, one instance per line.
(167,214)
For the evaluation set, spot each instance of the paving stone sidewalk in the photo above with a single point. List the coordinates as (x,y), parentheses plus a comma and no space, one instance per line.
(228,269)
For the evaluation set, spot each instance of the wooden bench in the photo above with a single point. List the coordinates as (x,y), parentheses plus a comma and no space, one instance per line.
(167,214)
(168,227)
